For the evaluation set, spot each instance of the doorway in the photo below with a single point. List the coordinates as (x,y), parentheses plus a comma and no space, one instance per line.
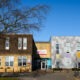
(43,65)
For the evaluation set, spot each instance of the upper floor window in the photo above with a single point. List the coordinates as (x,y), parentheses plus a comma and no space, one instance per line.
(9,60)
(24,43)
(7,43)
(68,47)
(57,48)
(19,43)
(78,46)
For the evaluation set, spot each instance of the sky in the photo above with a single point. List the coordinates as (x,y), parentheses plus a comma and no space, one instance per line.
(63,18)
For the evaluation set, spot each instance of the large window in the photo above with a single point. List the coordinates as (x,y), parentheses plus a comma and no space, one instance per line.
(57,48)
(24,43)
(7,43)
(22,61)
(9,60)
(19,43)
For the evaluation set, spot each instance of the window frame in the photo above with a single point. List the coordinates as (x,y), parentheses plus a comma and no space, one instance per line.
(7,43)
(78,46)
(68,47)
(22,60)
(9,60)
(24,43)
(57,48)
(19,43)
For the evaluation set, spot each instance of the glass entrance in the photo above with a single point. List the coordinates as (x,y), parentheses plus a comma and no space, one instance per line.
(43,65)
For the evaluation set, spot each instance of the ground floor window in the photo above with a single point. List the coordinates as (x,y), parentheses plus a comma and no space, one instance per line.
(22,61)
(57,64)
(9,60)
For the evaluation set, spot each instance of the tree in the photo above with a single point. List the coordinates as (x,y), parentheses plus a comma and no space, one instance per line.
(15,19)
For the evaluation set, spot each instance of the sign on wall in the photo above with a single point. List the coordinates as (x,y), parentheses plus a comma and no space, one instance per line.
(67,55)
(42,52)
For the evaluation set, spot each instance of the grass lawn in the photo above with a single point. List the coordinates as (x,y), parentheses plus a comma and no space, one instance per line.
(8,78)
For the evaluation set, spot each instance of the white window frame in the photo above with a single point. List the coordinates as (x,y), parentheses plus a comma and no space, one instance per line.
(10,58)
(24,43)
(22,57)
(7,43)
(19,43)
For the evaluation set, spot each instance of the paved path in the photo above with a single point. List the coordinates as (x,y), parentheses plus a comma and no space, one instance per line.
(51,76)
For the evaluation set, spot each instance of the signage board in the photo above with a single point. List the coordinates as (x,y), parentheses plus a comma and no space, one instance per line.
(42,52)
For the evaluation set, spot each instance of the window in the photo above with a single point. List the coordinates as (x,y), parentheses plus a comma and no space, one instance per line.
(0,60)
(57,64)
(9,61)
(68,47)
(7,43)
(78,46)
(19,43)
(24,43)
(22,61)
(57,48)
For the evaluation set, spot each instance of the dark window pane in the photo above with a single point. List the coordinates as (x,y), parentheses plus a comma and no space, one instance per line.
(11,63)
(19,63)
(57,46)
(24,63)
(7,63)
(57,64)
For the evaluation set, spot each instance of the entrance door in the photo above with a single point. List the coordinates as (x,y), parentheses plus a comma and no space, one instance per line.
(43,65)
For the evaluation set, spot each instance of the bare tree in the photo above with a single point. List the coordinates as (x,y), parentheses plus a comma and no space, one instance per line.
(15,19)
